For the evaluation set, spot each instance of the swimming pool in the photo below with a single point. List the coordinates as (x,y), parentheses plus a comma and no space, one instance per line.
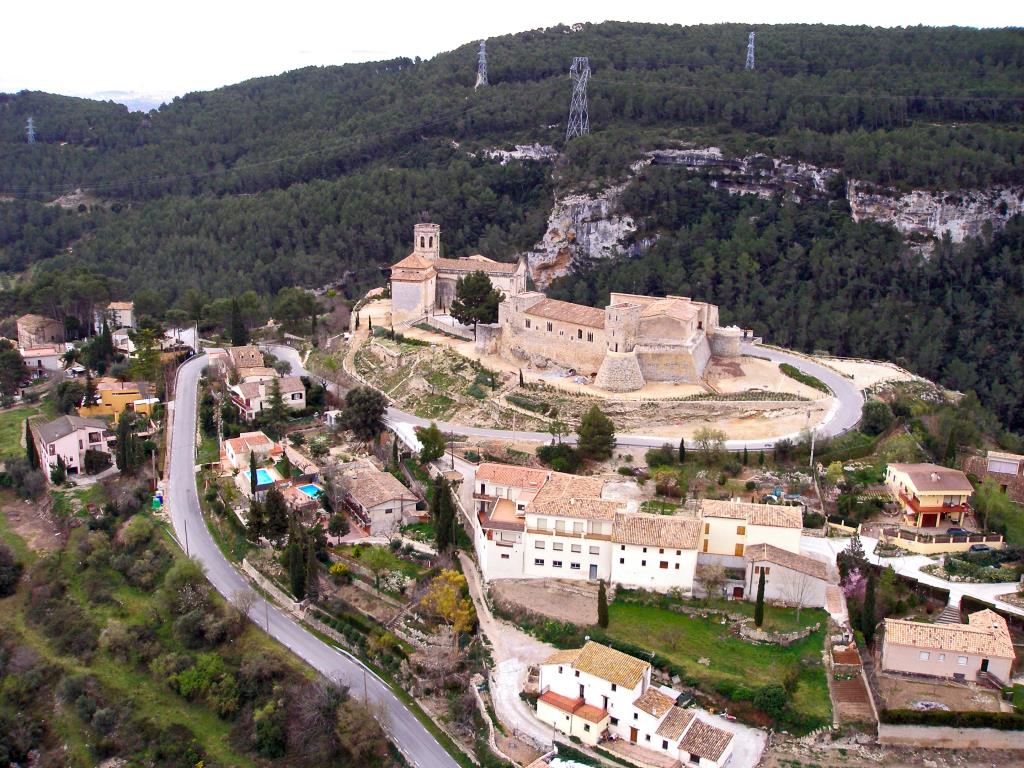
(312,490)
(263,477)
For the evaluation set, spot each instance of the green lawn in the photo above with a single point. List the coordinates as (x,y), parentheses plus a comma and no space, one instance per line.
(12,428)
(733,662)
(209,450)
(395,563)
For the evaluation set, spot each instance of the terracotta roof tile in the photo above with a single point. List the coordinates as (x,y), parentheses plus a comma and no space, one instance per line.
(573,496)
(558,701)
(800,563)
(591,713)
(511,476)
(985,634)
(706,740)
(776,515)
(654,702)
(672,532)
(674,724)
(478,264)
(553,309)
(604,662)
(370,487)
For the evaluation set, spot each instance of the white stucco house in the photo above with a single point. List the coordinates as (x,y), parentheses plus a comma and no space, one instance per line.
(788,577)
(379,503)
(69,437)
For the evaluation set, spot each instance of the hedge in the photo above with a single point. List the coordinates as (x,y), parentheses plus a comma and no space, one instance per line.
(1002,721)
(804,378)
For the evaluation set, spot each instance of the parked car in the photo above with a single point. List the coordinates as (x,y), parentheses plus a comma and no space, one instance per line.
(958,532)
(980,548)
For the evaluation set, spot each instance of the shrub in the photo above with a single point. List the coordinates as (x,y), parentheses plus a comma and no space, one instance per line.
(10,571)
(527,403)
(1003,721)
(771,699)
(804,378)
(560,457)
(876,417)
(750,485)
(665,456)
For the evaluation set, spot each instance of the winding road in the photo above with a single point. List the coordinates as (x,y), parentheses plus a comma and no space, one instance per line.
(420,748)
(842,417)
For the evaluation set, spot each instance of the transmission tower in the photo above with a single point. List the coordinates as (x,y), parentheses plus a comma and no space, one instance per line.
(579,120)
(30,131)
(481,67)
(750,52)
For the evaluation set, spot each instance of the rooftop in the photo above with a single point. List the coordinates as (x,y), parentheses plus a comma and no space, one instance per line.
(654,702)
(672,532)
(985,634)
(121,305)
(800,563)
(678,309)
(370,486)
(576,314)
(245,357)
(931,478)
(776,515)
(603,662)
(65,425)
(474,264)
(674,724)
(511,476)
(705,740)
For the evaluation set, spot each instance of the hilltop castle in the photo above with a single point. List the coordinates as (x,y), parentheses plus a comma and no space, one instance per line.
(631,342)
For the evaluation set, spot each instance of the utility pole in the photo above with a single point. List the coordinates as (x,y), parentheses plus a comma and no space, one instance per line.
(30,130)
(579,120)
(481,67)
(750,52)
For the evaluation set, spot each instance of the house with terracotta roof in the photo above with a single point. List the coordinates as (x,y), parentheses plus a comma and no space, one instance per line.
(928,495)
(423,283)
(44,359)
(250,397)
(248,356)
(378,502)
(235,452)
(117,314)
(596,692)
(501,493)
(789,577)
(657,552)
(732,526)
(981,648)
(39,331)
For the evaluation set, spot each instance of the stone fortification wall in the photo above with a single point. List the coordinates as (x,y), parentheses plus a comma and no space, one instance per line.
(725,342)
(620,372)
(488,338)
(674,363)
(551,350)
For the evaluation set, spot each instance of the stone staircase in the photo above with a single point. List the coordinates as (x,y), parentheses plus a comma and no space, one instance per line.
(851,700)
(950,615)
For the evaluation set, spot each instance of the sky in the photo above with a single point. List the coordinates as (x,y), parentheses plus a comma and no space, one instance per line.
(143,53)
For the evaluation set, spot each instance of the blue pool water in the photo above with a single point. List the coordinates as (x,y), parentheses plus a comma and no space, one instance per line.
(263,477)
(311,490)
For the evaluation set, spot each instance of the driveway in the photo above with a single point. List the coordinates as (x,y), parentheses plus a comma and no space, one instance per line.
(419,747)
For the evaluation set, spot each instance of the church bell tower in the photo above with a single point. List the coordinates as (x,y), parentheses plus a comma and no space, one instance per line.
(427,241)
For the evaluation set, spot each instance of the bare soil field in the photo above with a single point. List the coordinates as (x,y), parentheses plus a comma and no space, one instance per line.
(899,693)
(32,523)
(867,373)
(846,752)
(572,601)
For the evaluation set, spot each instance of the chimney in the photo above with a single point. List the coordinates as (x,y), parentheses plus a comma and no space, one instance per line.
(935,477)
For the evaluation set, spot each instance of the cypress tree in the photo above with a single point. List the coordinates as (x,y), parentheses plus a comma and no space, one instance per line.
(30,447)
(239,333)
(312,571)
(357,321)
(521,380)
(682,450)
(296,567)
(760,459)
(867,614)
(602,605)
(252,474)
(369,323)
(256,525)
(445,523)
(746,457)
(394,451)
(759,605)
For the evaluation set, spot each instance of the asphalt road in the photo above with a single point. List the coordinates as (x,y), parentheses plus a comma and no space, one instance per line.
(420,748)
(842,417)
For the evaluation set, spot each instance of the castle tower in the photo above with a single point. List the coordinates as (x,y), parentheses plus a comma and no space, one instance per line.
(426,241)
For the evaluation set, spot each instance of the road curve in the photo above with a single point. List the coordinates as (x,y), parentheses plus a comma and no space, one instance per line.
(420,748)
(842,417)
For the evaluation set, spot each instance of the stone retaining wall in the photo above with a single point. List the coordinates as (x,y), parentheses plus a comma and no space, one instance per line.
(948,737)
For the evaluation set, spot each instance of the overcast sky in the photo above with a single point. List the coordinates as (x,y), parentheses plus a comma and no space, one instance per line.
(155,50)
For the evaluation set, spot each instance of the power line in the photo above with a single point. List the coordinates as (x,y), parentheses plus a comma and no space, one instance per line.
(579,120)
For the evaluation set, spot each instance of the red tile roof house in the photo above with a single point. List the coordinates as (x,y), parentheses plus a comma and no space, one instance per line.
(964,652)
(251,396)
(379,503)
(235,452)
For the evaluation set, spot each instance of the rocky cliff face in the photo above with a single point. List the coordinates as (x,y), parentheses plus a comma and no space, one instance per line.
(580,228)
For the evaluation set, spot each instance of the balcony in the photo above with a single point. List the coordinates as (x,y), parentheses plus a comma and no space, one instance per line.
(570,534)
(945,509)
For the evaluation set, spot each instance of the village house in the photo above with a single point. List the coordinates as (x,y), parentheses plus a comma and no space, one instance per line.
(39,331)
(251,397)
(595,692)
(929,496)
(978,650)
(70,437)
(117,314)
(1005,469)
(114,397)
(379,503)
(732,526)
(235,452)
(248,356)
(256,373)
(789,577)
(48,358)
(656,552)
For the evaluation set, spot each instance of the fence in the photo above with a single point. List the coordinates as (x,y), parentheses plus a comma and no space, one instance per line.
(933,544)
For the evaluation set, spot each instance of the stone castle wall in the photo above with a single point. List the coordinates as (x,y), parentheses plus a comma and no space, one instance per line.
(674,363)
(725,342)
(620,372)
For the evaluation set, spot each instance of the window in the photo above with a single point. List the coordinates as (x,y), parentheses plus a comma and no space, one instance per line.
(707,528)
(504,557)
(574,566)
(577,673)
(663,565)
(643,562)
(590,336)
(647,737)
(635,717)
(741,530)
(661,551)
(557,546)
(576,548)
(549,327)
(556,563)
(615,687)
(579,333)
(613,720)
(924,656)
(645,550)
(94,437)
(961,661)
(527,322)
(595,550)
(53,451)
(80,446)
(586,727)
(705,545)
(664,744)
(559,670)
(388,511)
(622,547)
(538,544)
(538,561)
(622,561)
(942,657)
(677,566)
(678,552)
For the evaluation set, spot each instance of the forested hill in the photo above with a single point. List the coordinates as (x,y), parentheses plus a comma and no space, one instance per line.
(317,175)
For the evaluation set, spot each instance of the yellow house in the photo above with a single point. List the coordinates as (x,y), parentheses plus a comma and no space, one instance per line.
(729,527)
(929,496)
(114,397)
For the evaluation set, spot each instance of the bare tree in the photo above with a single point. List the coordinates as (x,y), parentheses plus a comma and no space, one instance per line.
(336,485)
(711,443)
(242,600)
(796,588)
(712,577)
